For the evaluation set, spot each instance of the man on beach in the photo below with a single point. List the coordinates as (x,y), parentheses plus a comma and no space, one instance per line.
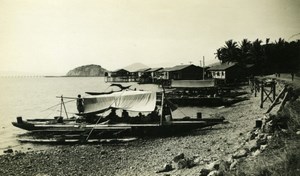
(80,104)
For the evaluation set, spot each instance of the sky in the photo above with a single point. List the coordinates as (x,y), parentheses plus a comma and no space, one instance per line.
(51,37)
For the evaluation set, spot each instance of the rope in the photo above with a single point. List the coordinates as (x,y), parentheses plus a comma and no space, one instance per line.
(182,112)
(56,105)
(51,113)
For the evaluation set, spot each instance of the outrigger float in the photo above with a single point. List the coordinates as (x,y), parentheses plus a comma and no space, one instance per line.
(91,126)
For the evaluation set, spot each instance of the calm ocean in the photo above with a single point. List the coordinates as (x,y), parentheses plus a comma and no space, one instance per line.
(31,97)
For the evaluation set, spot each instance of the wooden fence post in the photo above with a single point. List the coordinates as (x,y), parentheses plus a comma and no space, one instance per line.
(262,95)
(274,90)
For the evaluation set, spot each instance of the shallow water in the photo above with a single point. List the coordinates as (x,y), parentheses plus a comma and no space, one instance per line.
(32,97)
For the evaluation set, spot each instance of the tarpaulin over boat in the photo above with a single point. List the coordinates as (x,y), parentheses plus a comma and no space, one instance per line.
(140,101)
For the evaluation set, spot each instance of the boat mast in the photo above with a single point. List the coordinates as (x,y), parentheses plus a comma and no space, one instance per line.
(63,105)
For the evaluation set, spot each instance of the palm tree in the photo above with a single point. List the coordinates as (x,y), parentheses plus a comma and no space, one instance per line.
(293,56)
(256,55)
(229,52)
(280,56)
(281,42)
(244,51)
(256,51)
(220,54)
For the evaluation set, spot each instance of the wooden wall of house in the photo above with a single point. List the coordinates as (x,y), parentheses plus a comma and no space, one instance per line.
(235,73)
(189,73)
(192,73)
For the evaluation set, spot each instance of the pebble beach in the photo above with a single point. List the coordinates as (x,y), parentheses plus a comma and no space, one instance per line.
(145,156)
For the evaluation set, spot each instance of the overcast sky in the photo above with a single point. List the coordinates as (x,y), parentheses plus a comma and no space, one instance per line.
(54,36)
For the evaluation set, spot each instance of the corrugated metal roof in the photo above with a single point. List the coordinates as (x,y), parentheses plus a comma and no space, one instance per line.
(120,70)
(223,66)
(143,69)
(154,69)
(164,69)
(177,68)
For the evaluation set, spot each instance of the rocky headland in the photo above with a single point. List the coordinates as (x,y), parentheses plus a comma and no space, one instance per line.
(86,71)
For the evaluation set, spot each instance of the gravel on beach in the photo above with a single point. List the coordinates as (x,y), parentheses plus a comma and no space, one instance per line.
(143,156)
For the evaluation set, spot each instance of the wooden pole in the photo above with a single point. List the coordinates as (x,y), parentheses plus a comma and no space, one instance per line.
(162,106)
(255,89)
(262,95)
(87,138)
(284,100)
(274,90)
(61,102)
(203,67)
(276,100)
(64,107)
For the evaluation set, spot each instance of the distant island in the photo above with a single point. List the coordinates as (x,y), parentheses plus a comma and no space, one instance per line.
(96,70)
(87,70)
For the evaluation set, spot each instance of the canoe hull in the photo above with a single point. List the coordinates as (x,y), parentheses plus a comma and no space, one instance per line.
(120,129)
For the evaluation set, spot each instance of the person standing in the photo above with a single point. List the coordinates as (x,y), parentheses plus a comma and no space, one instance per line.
(166,113)
(125,116)
(80,104)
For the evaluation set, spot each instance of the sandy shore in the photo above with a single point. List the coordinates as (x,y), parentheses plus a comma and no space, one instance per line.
(143,156)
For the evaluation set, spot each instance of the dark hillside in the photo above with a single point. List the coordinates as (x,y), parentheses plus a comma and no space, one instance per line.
(87,70)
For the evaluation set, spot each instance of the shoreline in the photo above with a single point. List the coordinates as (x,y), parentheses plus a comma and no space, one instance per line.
(145,156)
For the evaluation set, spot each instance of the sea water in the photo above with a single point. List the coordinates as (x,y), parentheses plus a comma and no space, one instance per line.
(38,97)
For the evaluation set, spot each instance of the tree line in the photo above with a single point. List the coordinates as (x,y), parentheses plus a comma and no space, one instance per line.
(278,57)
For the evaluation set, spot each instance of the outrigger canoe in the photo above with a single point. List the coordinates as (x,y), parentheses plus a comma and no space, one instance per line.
(129,100)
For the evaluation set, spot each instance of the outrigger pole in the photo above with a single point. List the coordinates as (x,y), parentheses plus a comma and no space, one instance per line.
(62,104)
(87,138)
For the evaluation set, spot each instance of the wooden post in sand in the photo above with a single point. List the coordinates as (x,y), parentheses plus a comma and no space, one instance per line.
(255,88)
(262,95)
(270,94)
(274,90)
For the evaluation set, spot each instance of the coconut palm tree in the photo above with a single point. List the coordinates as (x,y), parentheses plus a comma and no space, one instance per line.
(256,55)
(244,51)
(220,54)
(256,51)
(228,53)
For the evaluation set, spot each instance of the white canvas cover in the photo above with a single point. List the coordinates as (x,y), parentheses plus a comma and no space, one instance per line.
(140,101)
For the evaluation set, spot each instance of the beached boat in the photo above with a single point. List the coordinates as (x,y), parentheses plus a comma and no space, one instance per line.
(201,93)
(92,124)
(206,101)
